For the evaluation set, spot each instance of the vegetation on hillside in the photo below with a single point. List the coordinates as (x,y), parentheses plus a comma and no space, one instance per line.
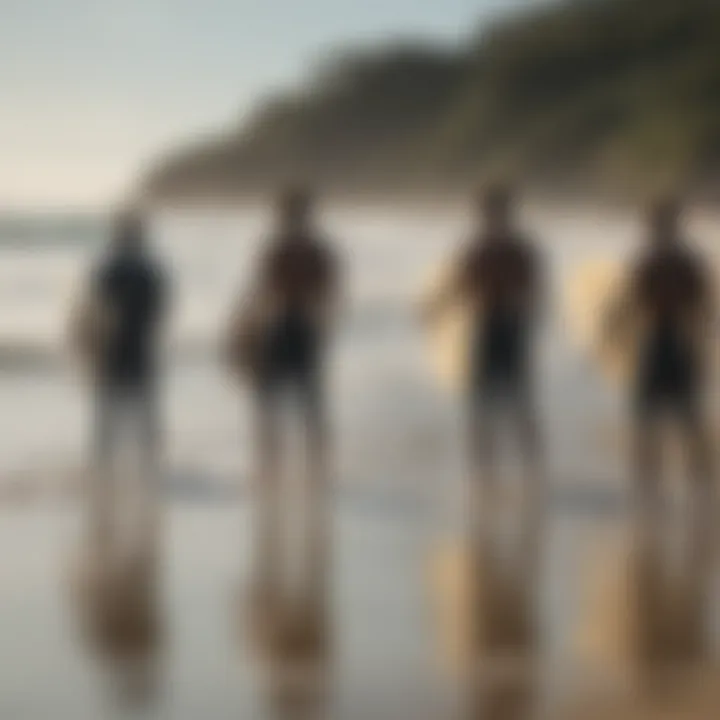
(596,94)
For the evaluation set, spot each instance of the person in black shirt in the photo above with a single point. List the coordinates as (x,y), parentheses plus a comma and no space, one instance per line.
(117,332)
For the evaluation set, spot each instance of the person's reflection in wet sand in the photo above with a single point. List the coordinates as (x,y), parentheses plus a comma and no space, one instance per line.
(298,690)
(120,621)
(650,630)
(293,654)
(291,644)
(501,667)
(671,607)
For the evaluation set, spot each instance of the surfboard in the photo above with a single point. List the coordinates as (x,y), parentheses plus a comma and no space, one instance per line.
(598,289)
(448,332)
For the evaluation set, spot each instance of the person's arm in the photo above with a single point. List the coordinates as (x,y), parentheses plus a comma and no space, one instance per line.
(89,318)
(231,341)
(163,297)
(238,342)
(706,321)
(538,296)
(333,297)
(709,298)
(159,308)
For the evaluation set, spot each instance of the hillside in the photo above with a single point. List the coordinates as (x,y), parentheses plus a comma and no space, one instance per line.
(596,94)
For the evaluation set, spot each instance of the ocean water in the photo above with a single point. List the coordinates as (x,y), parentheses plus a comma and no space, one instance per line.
(395,426)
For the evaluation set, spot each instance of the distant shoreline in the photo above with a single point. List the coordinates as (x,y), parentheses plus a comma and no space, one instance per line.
(442,201)
(25,220)
(569,98)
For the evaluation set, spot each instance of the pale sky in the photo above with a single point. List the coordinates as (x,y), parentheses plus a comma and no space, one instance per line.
(91,89)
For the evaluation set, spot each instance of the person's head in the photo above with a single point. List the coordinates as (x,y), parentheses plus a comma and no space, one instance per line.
(495,208)
(128,231)
(664,218)
(294,209)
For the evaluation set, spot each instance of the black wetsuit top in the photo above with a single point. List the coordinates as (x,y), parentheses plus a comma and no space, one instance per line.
(133,288)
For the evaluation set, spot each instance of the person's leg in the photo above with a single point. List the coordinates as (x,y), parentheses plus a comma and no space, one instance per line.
(100,486)
(149,438)
(534,476)
(483,424)
(701,472)
(646,470)
(267,480)
(318,485)
(529,434)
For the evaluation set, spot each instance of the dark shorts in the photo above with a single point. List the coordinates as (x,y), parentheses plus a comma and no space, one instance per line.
(499,363)
(667,378)
(291,361)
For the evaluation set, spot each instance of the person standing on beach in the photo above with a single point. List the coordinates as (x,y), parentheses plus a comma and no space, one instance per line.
(116,332)
(670,311)
(499,278)
(279,341)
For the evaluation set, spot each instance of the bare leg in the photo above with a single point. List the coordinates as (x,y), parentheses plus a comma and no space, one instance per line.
(149,443)
(101,480)
(267,540)
(534,481)
(482,451)
(702,490)
(319,492)
(647,501)
(482,540)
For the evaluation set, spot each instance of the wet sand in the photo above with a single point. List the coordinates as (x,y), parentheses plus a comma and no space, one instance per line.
(205,667)
(395,597)
(397,583)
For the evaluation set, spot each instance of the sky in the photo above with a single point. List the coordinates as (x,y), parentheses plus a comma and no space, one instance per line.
(92,90)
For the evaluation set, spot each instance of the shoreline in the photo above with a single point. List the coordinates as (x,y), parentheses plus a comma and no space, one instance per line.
(444,203)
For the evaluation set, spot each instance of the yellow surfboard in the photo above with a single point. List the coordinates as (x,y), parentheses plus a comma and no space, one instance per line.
(449,330)
(597,290)
(597,293)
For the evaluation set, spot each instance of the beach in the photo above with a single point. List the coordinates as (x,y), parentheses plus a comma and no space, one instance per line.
(398,477)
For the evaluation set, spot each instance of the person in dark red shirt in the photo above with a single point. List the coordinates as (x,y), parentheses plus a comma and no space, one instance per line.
(672,296)
(295,293)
